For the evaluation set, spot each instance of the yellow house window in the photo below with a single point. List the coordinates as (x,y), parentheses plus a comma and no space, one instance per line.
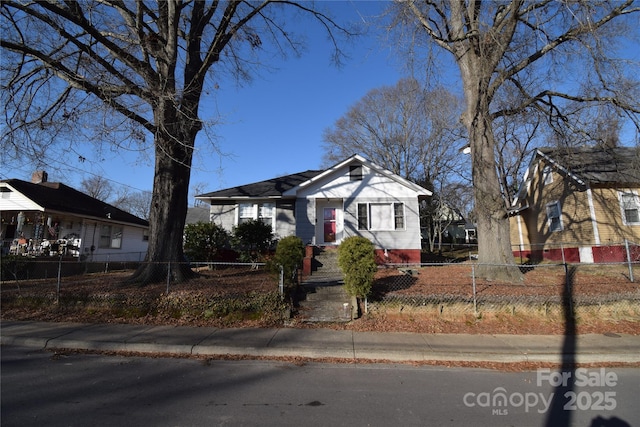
(547,175)
(554,218)
(630,206)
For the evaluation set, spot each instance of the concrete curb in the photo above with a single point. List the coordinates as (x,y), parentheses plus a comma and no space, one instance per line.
(322,343)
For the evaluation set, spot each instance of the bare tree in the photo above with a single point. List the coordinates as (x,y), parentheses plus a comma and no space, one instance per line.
(196,189)
(137,203)
(148,61)
(97,187)
(516,136)
(404,128)
(552,56)
(414,133)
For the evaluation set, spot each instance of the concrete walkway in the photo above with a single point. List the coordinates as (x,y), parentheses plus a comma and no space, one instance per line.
(321,343)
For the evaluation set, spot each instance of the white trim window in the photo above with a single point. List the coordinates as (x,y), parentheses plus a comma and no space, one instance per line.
(547,175)
(265,212)
(246,212)
(381,216)
(554,217)
(630,207)
(110,237)
(356,172)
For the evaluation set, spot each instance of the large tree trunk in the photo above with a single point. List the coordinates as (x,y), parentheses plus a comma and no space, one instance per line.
(173,156)
(495,256)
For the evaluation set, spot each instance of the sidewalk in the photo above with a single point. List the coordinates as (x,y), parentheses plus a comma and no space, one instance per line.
(321,343)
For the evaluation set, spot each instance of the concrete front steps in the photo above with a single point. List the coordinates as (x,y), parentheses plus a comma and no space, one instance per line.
(325,303)
(326,300)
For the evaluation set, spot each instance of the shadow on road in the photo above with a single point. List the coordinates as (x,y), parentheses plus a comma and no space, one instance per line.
(559,415)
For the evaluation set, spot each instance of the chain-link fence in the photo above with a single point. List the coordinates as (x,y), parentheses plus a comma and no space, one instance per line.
(37,272)
(472,288)
(214,290)
(207,293)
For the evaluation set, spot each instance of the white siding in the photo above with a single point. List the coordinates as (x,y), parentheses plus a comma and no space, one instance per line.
(373,185)
(16,201)
(133,247)
(373,188)
(224,215)
(408,238)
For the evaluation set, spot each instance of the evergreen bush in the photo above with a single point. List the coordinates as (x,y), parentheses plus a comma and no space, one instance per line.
(356,258)
(204,240)
(252,239)
(289,255)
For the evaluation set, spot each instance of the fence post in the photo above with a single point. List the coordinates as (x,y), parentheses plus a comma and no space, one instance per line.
(281,281)
(473,282)
(626,245)
(58,282)
(568,282)
(168,276)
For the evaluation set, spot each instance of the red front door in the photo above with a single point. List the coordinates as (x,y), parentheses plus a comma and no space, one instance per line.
(330,225)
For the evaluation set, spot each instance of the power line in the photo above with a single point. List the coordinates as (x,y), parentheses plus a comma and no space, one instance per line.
(26,171)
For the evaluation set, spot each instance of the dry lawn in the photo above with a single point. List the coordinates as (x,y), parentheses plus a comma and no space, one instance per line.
(618,311)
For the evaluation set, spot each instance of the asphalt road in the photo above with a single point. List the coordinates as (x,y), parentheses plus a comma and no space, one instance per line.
(42,388)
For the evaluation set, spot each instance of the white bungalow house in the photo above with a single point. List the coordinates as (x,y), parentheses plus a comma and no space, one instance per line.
(41,218)
(322,207)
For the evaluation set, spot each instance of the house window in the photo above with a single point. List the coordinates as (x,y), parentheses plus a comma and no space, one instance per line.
(363,217)
(398,215)
(110,237)
(355,173)
(547,175)
(630,205)
(264,212)
(553,216)
(380,216)
(246,212)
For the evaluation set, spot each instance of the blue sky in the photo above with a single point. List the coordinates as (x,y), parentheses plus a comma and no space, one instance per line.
(269,127)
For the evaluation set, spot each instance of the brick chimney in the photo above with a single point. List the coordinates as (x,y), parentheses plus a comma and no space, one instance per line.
(38,177)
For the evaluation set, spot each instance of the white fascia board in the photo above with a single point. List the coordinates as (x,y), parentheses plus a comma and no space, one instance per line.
(562,168)
(93,218)
(236,198)
(529,172)
(26,204)
(525,184)
(413,186)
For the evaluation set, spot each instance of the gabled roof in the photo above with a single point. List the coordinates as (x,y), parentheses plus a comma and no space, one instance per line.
(55,196)
(361,160)
(287,186)
(586,166)
(592,165)
(271,188)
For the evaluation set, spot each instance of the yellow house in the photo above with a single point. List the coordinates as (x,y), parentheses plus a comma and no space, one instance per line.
(579,205)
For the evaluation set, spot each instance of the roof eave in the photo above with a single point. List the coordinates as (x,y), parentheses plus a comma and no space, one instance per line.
(421,192)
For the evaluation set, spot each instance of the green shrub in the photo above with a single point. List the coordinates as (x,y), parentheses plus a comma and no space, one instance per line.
(289,255)
(203,241)
(356,258)
(252,239)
